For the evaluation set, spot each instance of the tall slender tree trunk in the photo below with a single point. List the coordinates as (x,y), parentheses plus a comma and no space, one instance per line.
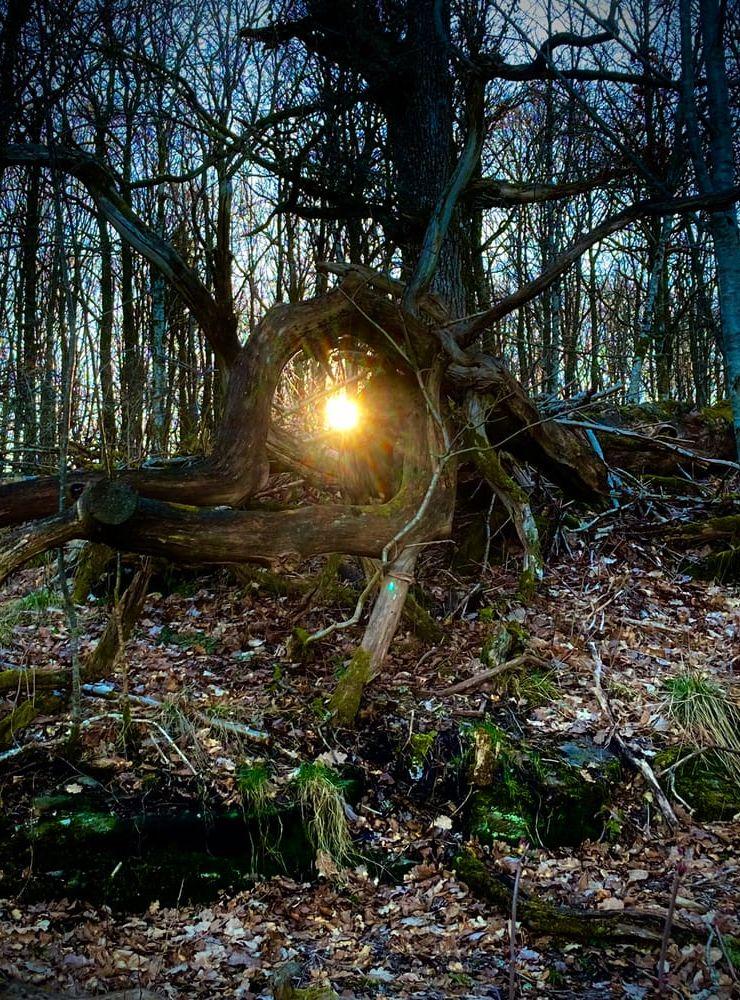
(28,368)
(593,315)
(6,370)
(158,318)
(664,344)
(106,335)
(645,333)
(716,175)
(48,397)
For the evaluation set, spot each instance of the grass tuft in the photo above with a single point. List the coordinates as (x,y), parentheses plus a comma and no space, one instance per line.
(14,612)
(253,781)
(320,793)
(704,711)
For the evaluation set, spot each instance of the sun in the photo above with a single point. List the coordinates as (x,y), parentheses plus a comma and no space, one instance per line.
(341,413)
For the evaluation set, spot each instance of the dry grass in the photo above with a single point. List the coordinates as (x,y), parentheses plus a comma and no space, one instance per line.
(320,795)
(707,716)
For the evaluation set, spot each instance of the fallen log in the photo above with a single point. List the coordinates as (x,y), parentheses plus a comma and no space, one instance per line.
(542,916)
(713,529)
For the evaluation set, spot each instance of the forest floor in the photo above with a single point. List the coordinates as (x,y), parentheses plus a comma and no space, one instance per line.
(394,920)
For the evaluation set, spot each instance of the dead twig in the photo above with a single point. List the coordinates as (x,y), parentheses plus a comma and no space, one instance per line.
(471,683)
(634,758)
(680,871)
(107,690)
(512,928)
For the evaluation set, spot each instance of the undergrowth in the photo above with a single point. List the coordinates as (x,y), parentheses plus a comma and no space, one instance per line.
(320,794)
(255,786)
(14,612)
(536,688)
(188,640)
(708,718)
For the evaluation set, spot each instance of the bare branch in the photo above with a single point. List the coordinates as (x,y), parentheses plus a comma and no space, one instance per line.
(464,331)
(491,192)
(102,187)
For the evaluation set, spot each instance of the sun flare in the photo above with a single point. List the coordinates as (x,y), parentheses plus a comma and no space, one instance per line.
(342,413)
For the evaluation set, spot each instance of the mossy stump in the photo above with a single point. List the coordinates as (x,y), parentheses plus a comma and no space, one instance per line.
(555,795)
(702,783)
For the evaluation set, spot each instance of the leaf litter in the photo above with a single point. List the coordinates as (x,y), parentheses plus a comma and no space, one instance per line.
(220,650)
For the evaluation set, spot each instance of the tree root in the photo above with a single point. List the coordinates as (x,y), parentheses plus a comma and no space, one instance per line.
(47,690)
(544,917)
(483,676)
(513,496)
(384,619)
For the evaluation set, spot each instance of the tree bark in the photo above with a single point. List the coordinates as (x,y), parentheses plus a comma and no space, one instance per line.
(381,628)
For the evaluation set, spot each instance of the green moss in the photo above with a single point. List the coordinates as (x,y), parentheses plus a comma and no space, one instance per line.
(540,915)
(15,721)
(543,792)
(264,580)
(76,827)
(655,410)
(319,709)
(81,850)
(461,979)
(703,783)
(506,640)
(674,484)
(329,589)
(188,640)
(613,827)
(345,702)
(488,822)
(726,527)
(299,645)
(91,565)
(723,566)
(421,746)
(421,622)
(720,412)
(732,947)
(527,586)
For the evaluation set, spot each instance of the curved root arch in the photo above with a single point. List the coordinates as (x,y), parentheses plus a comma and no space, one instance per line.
(238,464)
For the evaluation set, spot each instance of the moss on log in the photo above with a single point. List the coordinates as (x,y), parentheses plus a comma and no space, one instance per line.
(91,565)
(539,793)
(345,702)
(713,529)
(421,622)
(702,782)
(18,719)
(545,917)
